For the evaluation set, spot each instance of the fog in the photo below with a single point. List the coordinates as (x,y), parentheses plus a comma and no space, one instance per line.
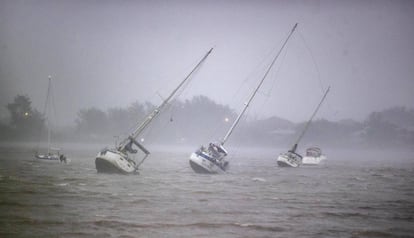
(110,54)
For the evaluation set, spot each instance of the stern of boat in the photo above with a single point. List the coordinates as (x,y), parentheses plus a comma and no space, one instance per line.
(289,160)
(202,165)
(109,161)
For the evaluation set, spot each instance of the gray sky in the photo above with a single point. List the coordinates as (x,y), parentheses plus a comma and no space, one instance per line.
(112,53)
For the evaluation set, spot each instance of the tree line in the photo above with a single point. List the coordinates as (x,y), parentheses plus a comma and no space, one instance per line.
(200,120)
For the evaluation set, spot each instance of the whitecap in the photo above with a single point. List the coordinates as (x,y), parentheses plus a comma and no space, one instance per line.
(259,179)
(243,224)
(62,184)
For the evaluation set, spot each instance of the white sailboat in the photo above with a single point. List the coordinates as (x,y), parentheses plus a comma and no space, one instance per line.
(211,159)
(119,159)
(53,153)
(291,158)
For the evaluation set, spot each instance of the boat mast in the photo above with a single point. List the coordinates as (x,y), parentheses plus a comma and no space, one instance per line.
(47,110)
(309,121)
(154,113)
(257,88)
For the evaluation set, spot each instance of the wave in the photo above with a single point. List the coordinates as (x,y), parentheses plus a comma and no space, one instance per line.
(118,224)
(346,214)
(376,234)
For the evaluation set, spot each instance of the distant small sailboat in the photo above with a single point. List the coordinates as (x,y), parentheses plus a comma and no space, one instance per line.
(211,159)
(118,160)
(53,153)
(291,158)
(313,157)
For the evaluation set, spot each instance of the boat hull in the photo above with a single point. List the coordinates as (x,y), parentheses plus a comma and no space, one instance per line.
(114,162)
(289,160)
(50,157)
(201,164)
(314,161)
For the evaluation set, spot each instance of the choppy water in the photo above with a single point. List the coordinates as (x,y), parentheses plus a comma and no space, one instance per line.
(350,197)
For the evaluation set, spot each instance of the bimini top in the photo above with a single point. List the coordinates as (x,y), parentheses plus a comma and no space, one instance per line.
(314,152)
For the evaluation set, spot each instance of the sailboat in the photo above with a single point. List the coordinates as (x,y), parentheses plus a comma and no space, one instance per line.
(211,159)
(52,154)
(119,159)
(291,158)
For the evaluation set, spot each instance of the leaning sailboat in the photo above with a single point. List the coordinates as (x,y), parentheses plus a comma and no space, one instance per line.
(119,159)
(52,153)
(291,158)
(211,159)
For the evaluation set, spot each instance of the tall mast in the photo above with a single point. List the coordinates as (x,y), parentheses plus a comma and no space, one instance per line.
(154,113)
(47,110)
(257,88)
(309,121)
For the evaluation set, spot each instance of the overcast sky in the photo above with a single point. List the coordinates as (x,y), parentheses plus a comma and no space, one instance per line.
(112,53)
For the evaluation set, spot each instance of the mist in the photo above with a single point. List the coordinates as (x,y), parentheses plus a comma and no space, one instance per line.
(112,63)
(111,54)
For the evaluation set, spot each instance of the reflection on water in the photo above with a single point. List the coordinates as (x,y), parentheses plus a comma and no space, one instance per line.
(349,197)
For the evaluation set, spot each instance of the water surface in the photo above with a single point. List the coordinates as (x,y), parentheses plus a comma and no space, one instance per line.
(355,195)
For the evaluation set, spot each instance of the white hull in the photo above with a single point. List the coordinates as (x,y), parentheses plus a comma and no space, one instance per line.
(113,161)
(200,164)
(311,160)
(49,157)
(289,160)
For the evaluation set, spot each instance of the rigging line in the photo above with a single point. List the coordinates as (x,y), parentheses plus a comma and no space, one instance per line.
(262,63)
(182,91)
(311,118)
(179,92)
(229,132)
(249,77)
(313,60)
(317,69)
(171,96)
(256,70)
(275,76)
(45,108)
(166,121)
(172,109)
(171,104)
(52,91)
(47,98)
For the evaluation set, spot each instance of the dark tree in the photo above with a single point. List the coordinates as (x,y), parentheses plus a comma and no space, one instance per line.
(24,119)
(92,121)
(379,130)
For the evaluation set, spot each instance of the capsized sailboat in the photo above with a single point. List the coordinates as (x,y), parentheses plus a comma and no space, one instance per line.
(52,153)
(291,158)
(119,159)
(211,159)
